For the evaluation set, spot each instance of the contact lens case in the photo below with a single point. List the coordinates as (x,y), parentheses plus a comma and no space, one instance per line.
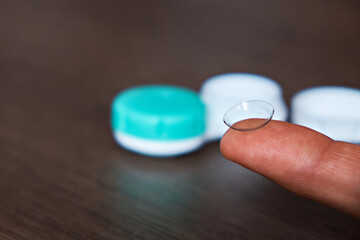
(158,120)
(331,110)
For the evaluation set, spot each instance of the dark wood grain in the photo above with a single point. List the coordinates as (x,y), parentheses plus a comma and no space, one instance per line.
(61,62)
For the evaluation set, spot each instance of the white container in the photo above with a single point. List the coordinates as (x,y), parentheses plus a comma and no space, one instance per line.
(332,110)
(157,148)
(221,92)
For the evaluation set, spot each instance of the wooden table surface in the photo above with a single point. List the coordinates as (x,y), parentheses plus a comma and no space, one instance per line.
(61,63)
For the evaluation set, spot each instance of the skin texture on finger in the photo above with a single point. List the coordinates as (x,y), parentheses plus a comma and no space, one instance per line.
(302,160)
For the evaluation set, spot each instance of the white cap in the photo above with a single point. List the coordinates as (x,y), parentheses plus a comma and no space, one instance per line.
(331,110)
(221,92)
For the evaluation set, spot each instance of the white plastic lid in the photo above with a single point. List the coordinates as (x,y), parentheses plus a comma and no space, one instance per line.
(331,110)
(221,92)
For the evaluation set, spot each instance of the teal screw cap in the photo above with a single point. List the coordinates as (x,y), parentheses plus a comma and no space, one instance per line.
(158,112)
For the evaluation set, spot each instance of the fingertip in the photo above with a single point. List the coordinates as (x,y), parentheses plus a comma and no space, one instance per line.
(284,146)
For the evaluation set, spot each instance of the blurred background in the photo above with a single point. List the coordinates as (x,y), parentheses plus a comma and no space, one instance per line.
(114,44)
(61,64)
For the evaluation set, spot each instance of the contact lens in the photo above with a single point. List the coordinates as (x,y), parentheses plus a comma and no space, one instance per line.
(249,115)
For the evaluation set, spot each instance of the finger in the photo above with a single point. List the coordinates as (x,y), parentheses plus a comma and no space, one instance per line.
(301,160)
